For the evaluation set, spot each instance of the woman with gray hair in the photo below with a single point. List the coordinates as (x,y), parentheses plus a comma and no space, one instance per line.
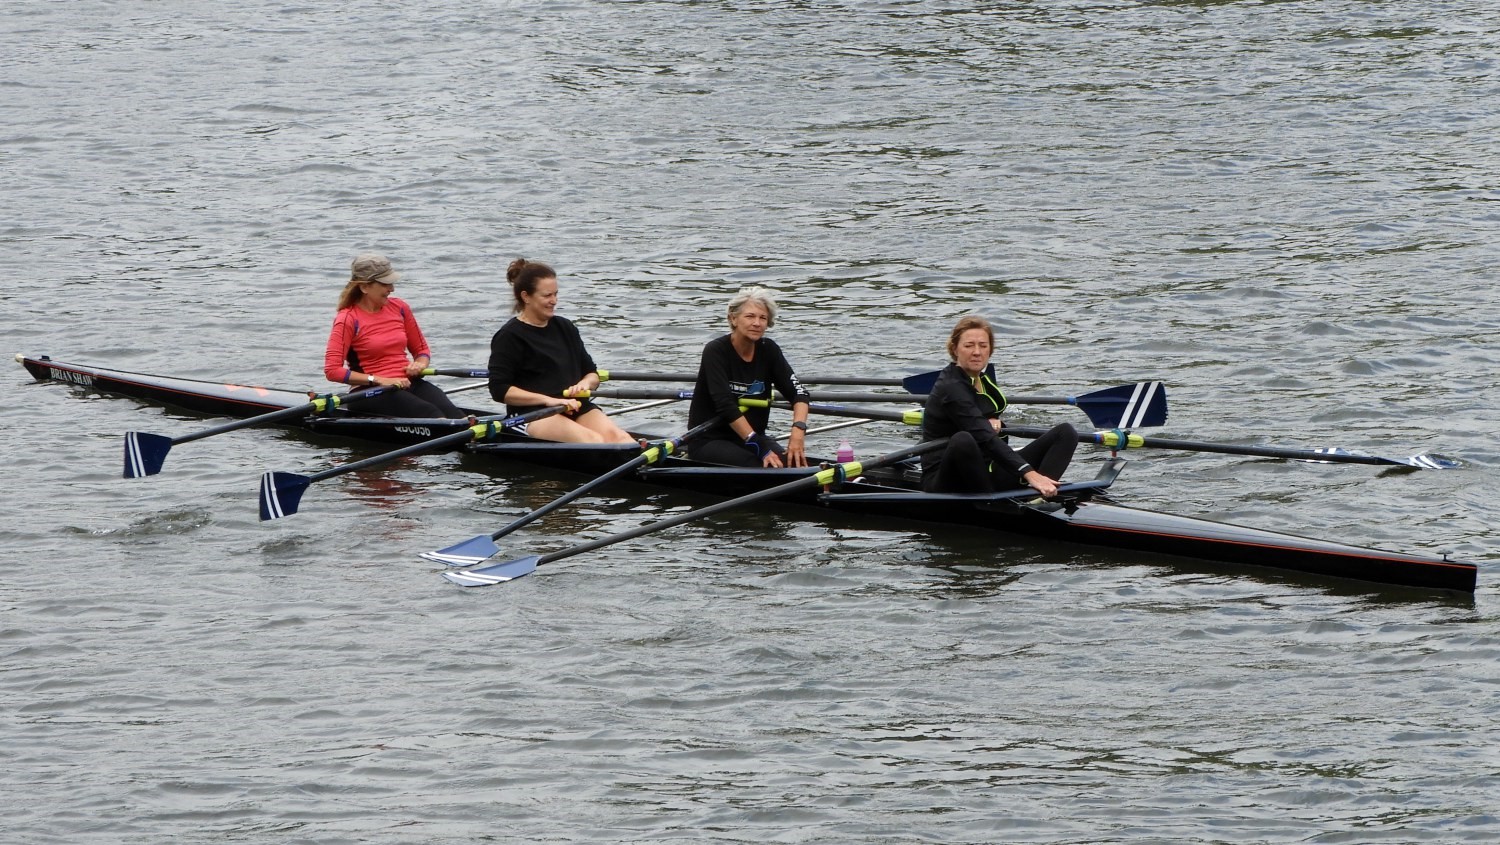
(745,364)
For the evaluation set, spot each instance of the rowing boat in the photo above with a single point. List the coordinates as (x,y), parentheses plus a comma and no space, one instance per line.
(1087,519)
(240,400)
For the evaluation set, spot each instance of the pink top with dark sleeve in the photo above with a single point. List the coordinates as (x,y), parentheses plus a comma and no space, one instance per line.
(374,344)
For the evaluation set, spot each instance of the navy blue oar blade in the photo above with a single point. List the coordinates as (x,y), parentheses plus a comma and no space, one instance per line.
(145,453)
(280,494)
(1127,406)
(921,383)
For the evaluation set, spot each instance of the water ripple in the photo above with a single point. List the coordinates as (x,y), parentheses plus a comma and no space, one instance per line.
(1285,216)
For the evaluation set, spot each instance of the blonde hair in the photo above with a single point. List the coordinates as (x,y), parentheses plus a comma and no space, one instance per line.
(351,294)
(758,295)
(972,321)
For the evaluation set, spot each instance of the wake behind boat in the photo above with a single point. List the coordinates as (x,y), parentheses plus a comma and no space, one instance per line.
(1085,518)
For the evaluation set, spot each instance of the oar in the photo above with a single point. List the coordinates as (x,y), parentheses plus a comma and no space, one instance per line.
(1139,405)
(615,412)
(281,492)
(830,427)
(145,452)
(616,375)
(1125,406)
(1323,454)
(920,383)
(497,573)
(479,549)
(1112,439)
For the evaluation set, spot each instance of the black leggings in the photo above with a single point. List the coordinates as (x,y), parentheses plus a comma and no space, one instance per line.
(965,470)
(423,400)
(729,452)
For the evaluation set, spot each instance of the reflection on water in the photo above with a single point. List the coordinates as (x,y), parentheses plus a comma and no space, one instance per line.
(380,490)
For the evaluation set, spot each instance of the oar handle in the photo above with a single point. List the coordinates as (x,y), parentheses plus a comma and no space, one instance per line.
(627,393)
(666,395)
(911,416)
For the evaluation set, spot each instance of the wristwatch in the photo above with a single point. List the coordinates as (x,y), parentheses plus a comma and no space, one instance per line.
(371,378)
(802,424)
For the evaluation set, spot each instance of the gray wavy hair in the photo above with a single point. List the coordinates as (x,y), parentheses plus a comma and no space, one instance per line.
(758,295)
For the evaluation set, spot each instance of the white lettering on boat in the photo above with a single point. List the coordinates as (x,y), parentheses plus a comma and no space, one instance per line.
(69,376)
(418,430)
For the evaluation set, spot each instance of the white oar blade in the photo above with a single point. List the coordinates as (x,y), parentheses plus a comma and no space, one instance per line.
(1434,462)
(1418,461)
(495,573)
(145,453)
(470,552)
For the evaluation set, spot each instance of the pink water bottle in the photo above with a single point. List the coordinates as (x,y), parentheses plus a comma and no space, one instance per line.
(846,452)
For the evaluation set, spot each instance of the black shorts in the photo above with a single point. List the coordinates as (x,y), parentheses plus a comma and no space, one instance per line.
(584,407)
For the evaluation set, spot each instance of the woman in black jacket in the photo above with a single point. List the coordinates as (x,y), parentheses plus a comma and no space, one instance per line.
(745,364)
(965,406)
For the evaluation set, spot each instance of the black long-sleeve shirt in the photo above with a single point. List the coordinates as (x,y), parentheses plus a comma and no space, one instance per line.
(546,360)
(724,378)
(955,405)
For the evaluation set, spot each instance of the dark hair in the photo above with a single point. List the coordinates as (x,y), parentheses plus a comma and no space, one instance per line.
(973,321)
(523,276)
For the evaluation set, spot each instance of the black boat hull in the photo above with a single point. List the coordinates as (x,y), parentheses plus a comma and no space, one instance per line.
(885,495)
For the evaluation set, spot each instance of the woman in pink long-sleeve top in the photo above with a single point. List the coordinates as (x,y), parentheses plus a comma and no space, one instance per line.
(376,342)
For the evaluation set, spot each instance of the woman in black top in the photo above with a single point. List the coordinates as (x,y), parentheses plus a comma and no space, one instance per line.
(537,359)
(745,364)
(965,406)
